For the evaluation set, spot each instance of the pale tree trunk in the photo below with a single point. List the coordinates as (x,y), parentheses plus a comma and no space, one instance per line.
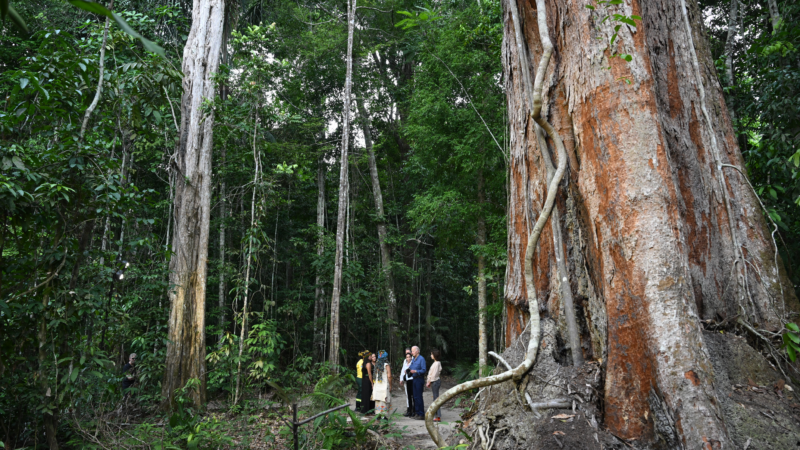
(481,241)
(386,251)
(344,187)
(657,215)
(186,353)
(101,68)
(774,14)
(222,216)
(319,294)
(733,22)
(246,287)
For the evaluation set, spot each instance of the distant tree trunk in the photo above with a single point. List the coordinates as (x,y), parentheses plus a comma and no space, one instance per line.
(222,215)
(428,324)
(657,223)
(386,251)
(333,351)
(733,22)
(319,297)
(774,14)
(186,354)
(50,424)
(101,67)
(481,241)
(246,289)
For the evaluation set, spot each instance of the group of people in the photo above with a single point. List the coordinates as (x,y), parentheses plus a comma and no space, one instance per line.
(374,377)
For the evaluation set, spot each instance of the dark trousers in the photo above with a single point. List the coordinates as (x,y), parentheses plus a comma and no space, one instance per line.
(358,394)
(435,390)
(410,395)
(419,406)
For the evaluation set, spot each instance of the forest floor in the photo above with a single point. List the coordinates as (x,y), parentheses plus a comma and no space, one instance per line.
(410,433)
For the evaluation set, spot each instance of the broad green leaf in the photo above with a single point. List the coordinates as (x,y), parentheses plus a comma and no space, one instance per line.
(23,82)
(793,326)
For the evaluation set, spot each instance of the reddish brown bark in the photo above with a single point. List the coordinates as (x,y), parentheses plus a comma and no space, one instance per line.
(647,228)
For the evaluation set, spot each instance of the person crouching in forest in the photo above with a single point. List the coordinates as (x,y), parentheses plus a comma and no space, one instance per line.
(129,372)
(435,381)
(359,381)
(407,381)
(382,389)
(418,369)
(367,405)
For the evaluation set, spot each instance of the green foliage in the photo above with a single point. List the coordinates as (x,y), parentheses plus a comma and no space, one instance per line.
(791,340)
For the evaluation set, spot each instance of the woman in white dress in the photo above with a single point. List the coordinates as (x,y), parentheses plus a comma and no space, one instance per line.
(382,389)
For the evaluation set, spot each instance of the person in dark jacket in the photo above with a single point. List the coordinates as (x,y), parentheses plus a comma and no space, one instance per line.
(417,368)
(129,371)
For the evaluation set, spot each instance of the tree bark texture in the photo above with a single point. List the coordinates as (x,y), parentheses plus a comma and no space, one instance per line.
(186,348)
(319,294)
(655,226)
(333,350)
(386,251)
(481,241)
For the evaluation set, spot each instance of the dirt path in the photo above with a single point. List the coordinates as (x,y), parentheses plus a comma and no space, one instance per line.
(414,433)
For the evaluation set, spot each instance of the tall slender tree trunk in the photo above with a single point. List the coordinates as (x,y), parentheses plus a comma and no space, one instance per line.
(186,353)
(246,288)
(481,241)
(49,418)
(657,215)
(386,251)
(333,351)
(319,293)
(428,295)
(733,26)
(222,215)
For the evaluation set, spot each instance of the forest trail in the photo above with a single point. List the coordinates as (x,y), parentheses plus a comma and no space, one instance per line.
(414,433)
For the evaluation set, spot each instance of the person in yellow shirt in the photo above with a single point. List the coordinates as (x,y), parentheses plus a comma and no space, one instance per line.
(359,366)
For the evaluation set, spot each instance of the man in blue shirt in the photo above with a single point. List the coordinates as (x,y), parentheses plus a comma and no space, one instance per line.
(418,369)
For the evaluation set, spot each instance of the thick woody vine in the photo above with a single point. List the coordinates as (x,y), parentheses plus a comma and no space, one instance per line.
(534,94)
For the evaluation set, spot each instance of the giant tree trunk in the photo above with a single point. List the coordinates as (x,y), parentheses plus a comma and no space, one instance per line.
(656,224)
(319,294)
(186,353)
(333,350)
(386,251)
